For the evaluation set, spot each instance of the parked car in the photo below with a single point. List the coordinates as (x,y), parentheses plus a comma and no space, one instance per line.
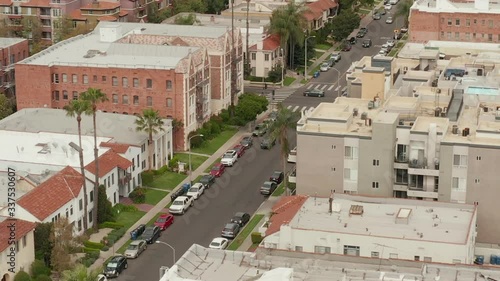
(217,170)
(314,93)
(219,243)
(382,11)
(277,177)
(164,221)
(352,41)
(442,56)
(240,150)
(367,43)
(247,142)
(273,115)
(337,56)
(181,205)
(101,277)
(115,266)
(241,218)
(135,249)
(398,35)
(347,47)
(152,232)
(267,143)
(207,180)
(389,20)
(376,16)
(404,29)
(181,191)
(386,46)
(292,156)
(383,52)
(364,30)
(324,67)
(331,63)
(229,158)
(231,230)
(268,187)
(196,190)
(259,130)
(388,7)
(391,43)
(360,34)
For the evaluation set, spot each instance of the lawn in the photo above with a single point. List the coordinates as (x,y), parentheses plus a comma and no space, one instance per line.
(245,232)
(196,160)
(207,170)
(318,54)
(303,81)
(154,196)
(280,190)
(168,180)
(211,146)
(129,218)
(288,81)
(363,11)
(325,47)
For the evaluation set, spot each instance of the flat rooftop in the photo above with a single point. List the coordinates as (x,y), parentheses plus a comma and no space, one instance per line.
(423,123)
(120,127)
(451,6)
(204,264)
(379,218)
(7,42)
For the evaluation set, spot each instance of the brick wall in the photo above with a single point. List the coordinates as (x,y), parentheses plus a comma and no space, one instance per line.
(18,52)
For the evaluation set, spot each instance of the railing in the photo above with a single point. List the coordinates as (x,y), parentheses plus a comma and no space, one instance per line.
(416,163)
(401,159)
(415,186)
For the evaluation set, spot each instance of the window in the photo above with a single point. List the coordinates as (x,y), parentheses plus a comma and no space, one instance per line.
(322,249)
(299,249)
(169,84)
(74,78)
(457,35)
(136,82)
(169,102)
(350,174)
(125,82)
(266,57)
(90,216)
(490,23)
(55,95)
(467,36)
(417,258)
(65,95)
(448,35)
(136,100)
(115,98)
(91,195)
(393,256)
(458,184)
(103,78)
(85,79)
(460,161)
(149,83)
(114,81)
(125,99)
(75,95)
(449,22)
(351,250)
(24,241)
(113,178)
(71,210)
(474,35)
(457,22)
(65,78)
(490,37)
(80,204)
(442,34)
(375,184)
(56,12)
(467,22)
(427,259)
(94,79)
(55,78)
(351,152)
(478,157)
(376,162)
(149,101)
(109,182)
(254,56)
(375,254)
(401,176)
(105,183)
(79,225)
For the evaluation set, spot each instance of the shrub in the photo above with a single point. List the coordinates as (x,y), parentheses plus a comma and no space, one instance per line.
(216,129)
(162,170)
(22,276)
(38,268)
(105,249)
(125,208)
(43,277)
(90,250)
(147,177)
(105,208)
(138,196)
(94,245)
(92,255)
(111,240)
(256,237)
(111,224)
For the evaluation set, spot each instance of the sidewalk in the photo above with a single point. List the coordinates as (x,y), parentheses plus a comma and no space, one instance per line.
(165,201)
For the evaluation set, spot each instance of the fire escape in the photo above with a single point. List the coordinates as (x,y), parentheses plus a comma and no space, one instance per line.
(201,96)
(7,81)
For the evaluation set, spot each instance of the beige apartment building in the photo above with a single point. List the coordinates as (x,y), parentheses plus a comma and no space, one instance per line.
(438,140)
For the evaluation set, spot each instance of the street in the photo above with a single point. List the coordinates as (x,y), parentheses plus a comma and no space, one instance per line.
(237,190)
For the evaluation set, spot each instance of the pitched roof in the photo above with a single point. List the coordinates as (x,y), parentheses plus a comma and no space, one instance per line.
(315,9)
(52,194)
(101,5)
(119,148)
(36,3)
(22,228)
(77,15)
(270,43)
(107,18)
(5,2)
(284,211)
(107,162)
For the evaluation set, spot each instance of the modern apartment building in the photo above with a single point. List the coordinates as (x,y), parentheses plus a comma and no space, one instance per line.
(12,50)
(454,20)
(184,72)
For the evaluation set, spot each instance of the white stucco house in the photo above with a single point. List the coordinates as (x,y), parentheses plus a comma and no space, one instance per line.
(371,227)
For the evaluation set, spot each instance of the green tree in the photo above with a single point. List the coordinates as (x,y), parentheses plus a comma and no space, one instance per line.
(38,267)
(289,23)
(43,246)
(215,6)
(151,123)
(344,24)
(93,97)
(79,273)
(299,54)
(403,10)
(75,109)
(43,277)
(63,240)
(249,106)
(186,19)
(190,6)
(6,106)
(105,208)
(158,16)
(65,28)
(285,121)
(22,276)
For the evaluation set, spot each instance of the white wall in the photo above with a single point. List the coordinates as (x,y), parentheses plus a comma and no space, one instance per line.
(24,258)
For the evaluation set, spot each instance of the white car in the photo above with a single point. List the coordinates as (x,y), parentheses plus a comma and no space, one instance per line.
(387,6)
(391,43)
(101,277)
(196,190)
(335,56)
(219,243)
(324,67)
(229,158)
(383,52)
(389,20)
(181,204)
(386,46)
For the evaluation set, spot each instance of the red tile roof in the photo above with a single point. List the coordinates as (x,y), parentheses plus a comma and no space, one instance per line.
(107,18)
(5,2)
(270,43)
(101,6)
(52,194)
(77,15)
(119,148)
(123,13)
(315,9)
(36,3)
(107,162)
(22,228)
(284,211)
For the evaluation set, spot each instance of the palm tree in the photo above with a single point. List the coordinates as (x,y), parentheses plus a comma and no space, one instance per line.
(289,23)
(151,123)
(403,10)
(77,108)
(94,96)
(285,120)
(79,273)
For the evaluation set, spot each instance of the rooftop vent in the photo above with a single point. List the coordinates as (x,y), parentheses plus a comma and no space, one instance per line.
(356,210)
(355,112)
(91,54)
(364,115)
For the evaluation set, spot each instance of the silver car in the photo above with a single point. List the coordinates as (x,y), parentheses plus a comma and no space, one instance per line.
(135,249)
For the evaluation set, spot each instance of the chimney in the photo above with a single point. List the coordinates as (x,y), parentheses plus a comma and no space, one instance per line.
(482,5)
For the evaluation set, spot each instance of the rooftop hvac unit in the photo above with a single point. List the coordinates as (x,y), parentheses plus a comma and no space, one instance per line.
(355,112)
(364,115)
(454,129)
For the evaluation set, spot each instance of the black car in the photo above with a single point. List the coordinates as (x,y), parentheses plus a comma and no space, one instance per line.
(151,234)
(268,187)
(353,41)
(367,43)
(347,47)
(177,193)
(377,16)
(267,143)
(247,142)
(115,266)
(241,218)
(314,93)
(207,180)
(364,30)
(231,230)
(277,177)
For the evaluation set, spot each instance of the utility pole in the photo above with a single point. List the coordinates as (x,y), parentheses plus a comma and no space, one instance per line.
(233,61)
(247,63)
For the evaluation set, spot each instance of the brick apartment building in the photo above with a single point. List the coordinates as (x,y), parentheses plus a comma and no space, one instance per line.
(138,67)
(12,50)
(463,21)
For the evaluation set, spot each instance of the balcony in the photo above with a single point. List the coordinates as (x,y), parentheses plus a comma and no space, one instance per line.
(402,158)
(421,193)
(420,167)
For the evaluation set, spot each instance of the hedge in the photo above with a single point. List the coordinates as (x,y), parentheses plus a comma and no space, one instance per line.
(110,224)
(43,277)
(256,237)
(94,245)
(90,250)
(138,196)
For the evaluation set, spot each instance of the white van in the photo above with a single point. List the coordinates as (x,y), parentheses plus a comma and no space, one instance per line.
(393,2)
(292,156)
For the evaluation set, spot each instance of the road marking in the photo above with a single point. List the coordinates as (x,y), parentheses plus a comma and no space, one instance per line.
(322,88)
(317,87)
(295,108)
(337,89)
(289,107)
(309,87)
(331,87)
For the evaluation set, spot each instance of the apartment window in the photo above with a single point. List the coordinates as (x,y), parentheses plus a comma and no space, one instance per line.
(90,216)
(457,22)
(376,162)
(56,95)
(136,82)
(103,78)
(266,57)
(442,34)
(114,198)
(74,78)
(105,183)
(448,35)
(460,160)
(124,99)
(467,36)
(401,176)
(113,178)
(417,258)
(427,259)
(115,98)
(65,78)
(476,181)
(457,35)
(322,250)
(350,174)
(490,37)
(79,225)
(449,22)
(94,79)
(299,249)
(114,81)
(65,95)
(478,157)
(458,184)
(91,195)
(149,83)
(109,182)
(136,100)
(75,95)
(124,82)
(149,101)
(80,204)
(402,153)
(85,79)
(169,84)
(351,250)
(169,102)
(375,184)
(24,241)
(467,22)
(474,35)
(254,56)
(71,210)
(55,78)
(67,212)
(351,152)
(490,23)
(375,254)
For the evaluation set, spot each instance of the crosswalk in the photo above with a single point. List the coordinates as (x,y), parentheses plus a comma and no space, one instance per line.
(279,97)
(298,108)
(323,87)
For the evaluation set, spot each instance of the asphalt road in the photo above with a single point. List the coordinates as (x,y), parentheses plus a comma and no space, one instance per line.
(237,190)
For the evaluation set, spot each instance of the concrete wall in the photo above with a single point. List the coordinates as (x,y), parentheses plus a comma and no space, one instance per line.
(373,84)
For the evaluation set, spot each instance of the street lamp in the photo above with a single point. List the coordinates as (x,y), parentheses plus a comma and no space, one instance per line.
(338,81)
(173,250)
(189,145)
(305,58)
(282,66)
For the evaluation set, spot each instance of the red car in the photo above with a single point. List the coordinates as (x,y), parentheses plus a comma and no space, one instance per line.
(217,170)
(240,150)
(164,221)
